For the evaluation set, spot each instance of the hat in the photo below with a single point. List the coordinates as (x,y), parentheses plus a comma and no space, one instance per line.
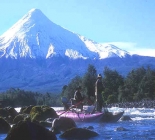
(99,75)
(79,87)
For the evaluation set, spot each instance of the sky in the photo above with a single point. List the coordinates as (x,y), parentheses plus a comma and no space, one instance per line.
(128,24)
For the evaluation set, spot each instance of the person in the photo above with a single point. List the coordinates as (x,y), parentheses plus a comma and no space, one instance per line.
(98,93)
(65,103)
(78,98)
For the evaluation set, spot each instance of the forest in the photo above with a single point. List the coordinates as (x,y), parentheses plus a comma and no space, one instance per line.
(137,85)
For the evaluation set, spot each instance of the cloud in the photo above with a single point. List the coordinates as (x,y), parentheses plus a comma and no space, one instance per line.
(144,52)
(134,48)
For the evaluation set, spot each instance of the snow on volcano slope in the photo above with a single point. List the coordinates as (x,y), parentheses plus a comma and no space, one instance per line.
(104,50)
(36,36)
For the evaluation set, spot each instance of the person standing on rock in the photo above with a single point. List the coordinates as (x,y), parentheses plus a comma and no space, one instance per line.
(98,93)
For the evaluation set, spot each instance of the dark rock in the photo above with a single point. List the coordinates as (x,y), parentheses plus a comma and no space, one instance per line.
(26,130)
(4,112)
(45,124)
(9,119)
(18,118)
(12,112)
(62,124)
(90,127)
(126,118)
(4,126)
(120,129)
(50,120)
(78,133)
(26,109)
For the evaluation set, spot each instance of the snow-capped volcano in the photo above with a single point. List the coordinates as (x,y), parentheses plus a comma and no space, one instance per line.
(54,53)
(35,36)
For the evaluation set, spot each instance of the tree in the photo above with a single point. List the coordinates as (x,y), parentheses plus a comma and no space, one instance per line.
(132,83)
(147,85)
(89,80)
(112,80)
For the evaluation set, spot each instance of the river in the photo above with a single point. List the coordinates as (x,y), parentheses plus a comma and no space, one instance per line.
(142,126)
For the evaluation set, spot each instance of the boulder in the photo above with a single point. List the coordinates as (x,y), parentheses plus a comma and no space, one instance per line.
(62,124)
(4,126)
(78,133)
(19,118)
(4,112)
(90,127)
(6,115)
(12,112)
(45,124)
(120,129)
(26,109)
(26,130)
(126,118)
(41,113)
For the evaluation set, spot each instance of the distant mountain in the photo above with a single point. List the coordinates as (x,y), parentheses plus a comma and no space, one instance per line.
(38,55)
(36,36)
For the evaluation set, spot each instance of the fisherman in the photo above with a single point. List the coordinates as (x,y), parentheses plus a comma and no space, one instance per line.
(98,93)
(78,97)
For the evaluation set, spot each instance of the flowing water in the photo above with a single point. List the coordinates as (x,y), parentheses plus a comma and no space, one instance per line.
(142,126)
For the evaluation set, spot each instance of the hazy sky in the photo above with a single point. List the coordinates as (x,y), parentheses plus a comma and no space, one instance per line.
(128,24)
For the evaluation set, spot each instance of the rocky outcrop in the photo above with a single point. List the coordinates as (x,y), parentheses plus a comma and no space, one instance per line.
(78,133)
(8,113)
(41,113)
(120,129)
(4,126)
(62,124)
(12,112)
(4,112)
(26,130)
(126,118)
(19,118)
(26,109)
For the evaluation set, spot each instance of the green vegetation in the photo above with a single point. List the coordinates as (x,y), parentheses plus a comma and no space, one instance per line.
(138,84)
(19,98)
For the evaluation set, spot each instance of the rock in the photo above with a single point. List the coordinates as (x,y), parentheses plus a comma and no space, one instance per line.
(12,112)
(3,112)
(120,129)
(90,127)
(26,109)
(41,113)
(50,120)
(26,130)
(4,126)
(45,124)
(62,124)
(78,133)
(18,118)
(8,113)
(126,118)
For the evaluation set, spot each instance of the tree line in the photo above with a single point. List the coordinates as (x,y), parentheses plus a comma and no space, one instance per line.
(19,98)
(138,84)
